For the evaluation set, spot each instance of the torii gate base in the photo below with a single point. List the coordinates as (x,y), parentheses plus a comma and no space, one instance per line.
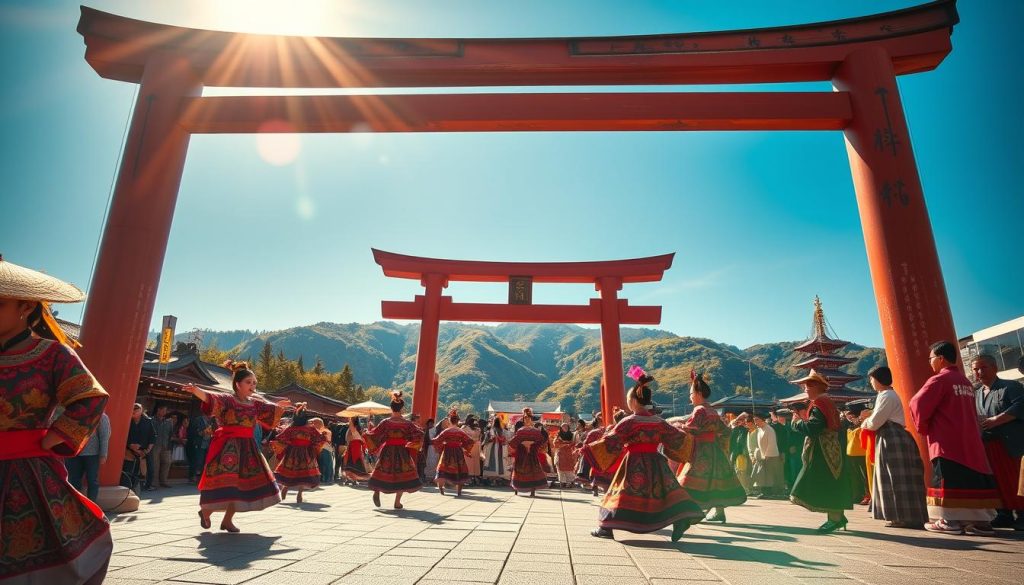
(861,57)
(609,311)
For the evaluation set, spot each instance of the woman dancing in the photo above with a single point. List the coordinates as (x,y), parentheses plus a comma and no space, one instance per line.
(644,495)
(527,447)
(236,477)
(354,460)
(454,446)
(395,472)
(710,478)
(297,448)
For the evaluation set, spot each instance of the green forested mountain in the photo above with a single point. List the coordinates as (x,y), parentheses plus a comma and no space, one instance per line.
(560,363)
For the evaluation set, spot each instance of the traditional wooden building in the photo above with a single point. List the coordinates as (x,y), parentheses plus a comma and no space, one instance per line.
(319,405)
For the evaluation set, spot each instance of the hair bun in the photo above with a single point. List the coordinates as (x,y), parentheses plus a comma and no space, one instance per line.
(396,397)
(235,366)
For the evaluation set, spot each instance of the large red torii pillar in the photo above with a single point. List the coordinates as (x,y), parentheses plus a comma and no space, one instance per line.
(860,56)
(609,311)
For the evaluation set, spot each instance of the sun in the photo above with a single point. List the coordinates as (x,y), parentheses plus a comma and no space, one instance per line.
(282,17)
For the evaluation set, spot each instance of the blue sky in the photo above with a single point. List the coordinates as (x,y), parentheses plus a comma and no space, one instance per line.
(760,222)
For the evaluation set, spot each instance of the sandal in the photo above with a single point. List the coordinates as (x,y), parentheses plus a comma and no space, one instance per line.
(204,521)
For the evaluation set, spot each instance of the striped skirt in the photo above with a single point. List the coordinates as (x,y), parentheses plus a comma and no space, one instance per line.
(898,493)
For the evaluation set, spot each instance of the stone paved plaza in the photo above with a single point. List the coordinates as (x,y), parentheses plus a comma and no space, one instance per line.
(490,536)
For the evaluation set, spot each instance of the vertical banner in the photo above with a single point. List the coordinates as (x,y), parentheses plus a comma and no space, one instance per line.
(167,338)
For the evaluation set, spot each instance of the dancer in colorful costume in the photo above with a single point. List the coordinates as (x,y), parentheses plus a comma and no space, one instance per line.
(823,484)
(454,445)
(644,495)
(354,460)
(236,477)
(297,449)
(528,447)
(395,472)
(710,478)
(49,532)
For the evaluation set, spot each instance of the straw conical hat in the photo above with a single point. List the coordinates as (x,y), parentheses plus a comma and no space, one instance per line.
(25,284)
(812,376)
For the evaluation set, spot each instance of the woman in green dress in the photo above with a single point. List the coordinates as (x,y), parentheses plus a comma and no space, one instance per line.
(823,485)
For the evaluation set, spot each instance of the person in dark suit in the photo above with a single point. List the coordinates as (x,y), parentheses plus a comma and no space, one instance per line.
(1001,416)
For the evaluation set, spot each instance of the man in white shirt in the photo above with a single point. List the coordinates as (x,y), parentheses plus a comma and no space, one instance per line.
(769,473)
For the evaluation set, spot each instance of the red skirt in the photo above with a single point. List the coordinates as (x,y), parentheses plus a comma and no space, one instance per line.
(1007,472)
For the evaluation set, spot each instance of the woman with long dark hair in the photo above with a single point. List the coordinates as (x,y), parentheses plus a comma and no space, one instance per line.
(236,477)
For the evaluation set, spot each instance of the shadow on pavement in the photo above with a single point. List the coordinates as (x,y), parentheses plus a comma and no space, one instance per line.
(254,546)
(421,515)
(714,550)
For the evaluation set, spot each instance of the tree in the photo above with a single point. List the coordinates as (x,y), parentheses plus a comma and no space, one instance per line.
(213,354)
(302,366)
(318,367)
(346,382)
(265,369)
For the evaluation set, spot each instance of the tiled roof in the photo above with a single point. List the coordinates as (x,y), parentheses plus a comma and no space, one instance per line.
(537,407)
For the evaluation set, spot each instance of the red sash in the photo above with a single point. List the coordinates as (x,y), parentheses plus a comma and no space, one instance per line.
(301,442)
(354,452)
(221,436)
(23,444)
(395,443)
(642,448)
(704,437)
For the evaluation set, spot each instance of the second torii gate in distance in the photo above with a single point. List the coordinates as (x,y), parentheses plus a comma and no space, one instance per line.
(609,311)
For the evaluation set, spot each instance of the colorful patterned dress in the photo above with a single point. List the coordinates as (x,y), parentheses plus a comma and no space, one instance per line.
(602,478)
(297,449)
(236,472)
(395,470)
(528,448)
(565,460)
(49,533)
(823,484)
(644,495)
(354,460)
(710,477)
(454,445)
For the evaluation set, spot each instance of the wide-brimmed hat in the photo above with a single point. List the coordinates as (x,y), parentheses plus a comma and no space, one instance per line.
(25,284)
(812,376)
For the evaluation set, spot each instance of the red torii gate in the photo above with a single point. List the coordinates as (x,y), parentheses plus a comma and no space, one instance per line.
(861,57)
(609,311)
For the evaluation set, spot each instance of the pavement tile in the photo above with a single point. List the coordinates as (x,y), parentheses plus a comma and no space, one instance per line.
(326,567)
(458,575)
(535,579)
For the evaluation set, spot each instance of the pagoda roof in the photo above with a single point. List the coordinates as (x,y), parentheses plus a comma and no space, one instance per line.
(834,376)
(821,344)
(292,390)
(842,395)
(517,406)
(742,402)
(817,358)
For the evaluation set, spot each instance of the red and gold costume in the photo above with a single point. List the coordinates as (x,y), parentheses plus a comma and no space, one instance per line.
(454,445)
(236,472)
(354,460)
(710,478)
(528,447)
(297,449)
(49,533)
(395,470)
(644,495)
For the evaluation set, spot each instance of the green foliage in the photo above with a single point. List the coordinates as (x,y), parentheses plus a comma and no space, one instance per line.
(559,363)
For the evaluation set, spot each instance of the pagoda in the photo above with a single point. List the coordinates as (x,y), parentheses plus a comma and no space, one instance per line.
(821,355)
